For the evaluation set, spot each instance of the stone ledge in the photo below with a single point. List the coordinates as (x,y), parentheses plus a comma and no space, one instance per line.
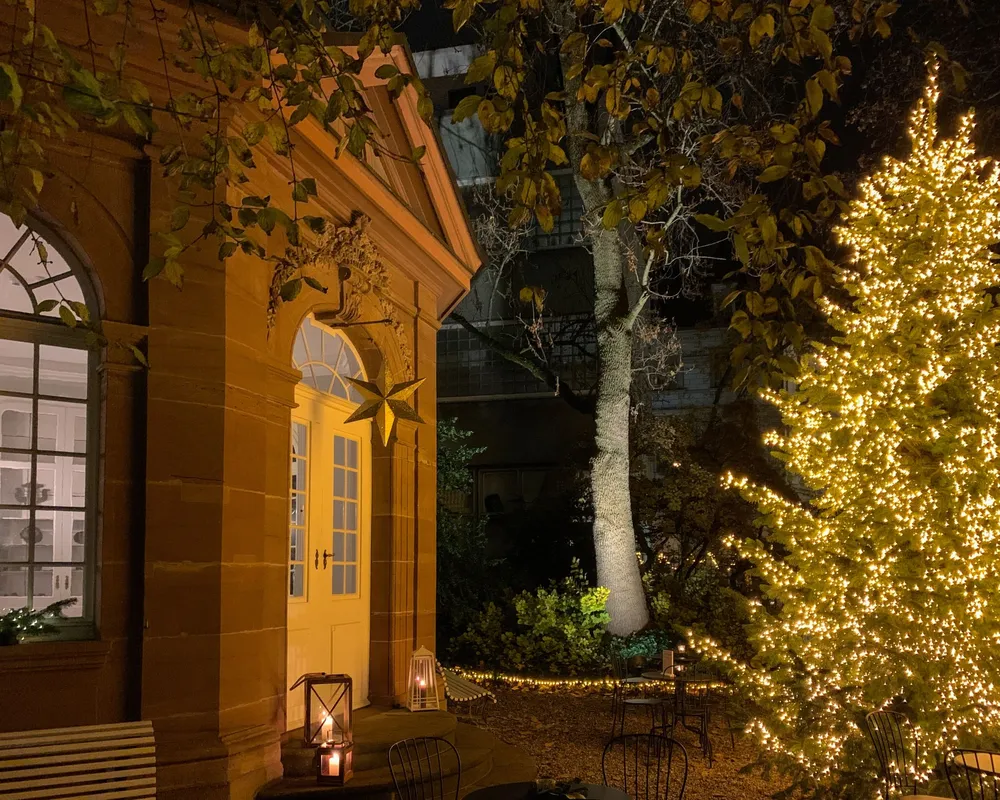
(52,656)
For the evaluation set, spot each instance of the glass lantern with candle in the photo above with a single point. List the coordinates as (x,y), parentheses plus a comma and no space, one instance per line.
(423,681)
(329,717)
(335,764)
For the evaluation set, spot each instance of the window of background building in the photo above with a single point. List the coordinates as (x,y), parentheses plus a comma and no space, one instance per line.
(506,490)
(48,447)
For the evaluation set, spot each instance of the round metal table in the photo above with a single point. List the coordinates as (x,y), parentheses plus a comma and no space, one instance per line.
(526,790)
(982,762)
(681,711)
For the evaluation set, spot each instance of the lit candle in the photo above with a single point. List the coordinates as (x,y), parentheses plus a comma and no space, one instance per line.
(326,729)
(331,764)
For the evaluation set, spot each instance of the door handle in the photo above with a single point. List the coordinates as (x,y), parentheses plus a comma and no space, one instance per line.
(326,555)
(316,561)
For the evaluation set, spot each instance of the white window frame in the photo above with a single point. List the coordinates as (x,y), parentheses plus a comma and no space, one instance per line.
(46,329)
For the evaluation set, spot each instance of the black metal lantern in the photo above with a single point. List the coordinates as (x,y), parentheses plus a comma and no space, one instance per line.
(335,764)
(329,706)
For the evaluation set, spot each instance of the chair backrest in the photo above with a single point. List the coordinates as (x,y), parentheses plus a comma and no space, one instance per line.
(896,747)
(425,768)
(974,774)
(619,667)
(646,766)
(114,760)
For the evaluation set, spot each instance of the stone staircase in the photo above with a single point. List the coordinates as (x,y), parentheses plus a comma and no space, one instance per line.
(485,760)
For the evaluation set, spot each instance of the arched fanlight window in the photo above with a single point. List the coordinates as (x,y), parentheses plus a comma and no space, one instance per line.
(48,446)
(325,358)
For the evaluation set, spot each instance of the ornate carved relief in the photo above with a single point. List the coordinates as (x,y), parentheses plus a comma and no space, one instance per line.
(349,247)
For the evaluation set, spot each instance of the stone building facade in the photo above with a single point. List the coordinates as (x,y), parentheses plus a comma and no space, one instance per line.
(175,534)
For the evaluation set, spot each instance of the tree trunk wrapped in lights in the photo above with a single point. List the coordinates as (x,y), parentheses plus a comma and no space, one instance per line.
(889,592)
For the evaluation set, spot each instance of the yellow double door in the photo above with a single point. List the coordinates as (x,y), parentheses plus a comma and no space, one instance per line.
(329,586)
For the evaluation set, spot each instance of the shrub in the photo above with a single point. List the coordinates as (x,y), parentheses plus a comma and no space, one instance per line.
(559,630)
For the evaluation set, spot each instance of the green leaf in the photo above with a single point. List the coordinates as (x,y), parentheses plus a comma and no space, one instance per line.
(299,114)
(138,355)
(267,218)
(315,224)
(774,172)
(762,26)
(814,96)
(712,222)
(226,249)
(67,316)
(10,85)
(46,305)
(80,309)
(386,71)
(174,273)
(466,107)
(253,132)
(612,215)
(257,202)
(480,69)
(418,153)
(742,251)
(291,289)
(314,284)
(299,193)
(356,141)
(179,217)
(310,186)
(153,268)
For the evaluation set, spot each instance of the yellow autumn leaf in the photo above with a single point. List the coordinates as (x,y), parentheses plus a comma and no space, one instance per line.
(761,27)
(699,10)
(774,172)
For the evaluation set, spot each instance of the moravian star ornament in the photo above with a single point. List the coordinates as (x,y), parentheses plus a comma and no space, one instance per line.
(385,405)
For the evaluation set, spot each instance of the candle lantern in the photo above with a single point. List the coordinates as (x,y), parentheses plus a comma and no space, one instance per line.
(423,681)
(328,707)
(335,764)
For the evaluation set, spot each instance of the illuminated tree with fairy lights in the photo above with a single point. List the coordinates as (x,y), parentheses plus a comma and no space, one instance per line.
(888,593)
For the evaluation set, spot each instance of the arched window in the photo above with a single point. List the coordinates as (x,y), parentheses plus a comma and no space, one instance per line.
(48,429)
(325,358)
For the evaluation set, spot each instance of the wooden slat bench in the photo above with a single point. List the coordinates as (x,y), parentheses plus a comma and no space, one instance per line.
(97,761)
(461,690)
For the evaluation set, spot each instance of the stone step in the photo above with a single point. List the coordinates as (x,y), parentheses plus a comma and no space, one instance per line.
(375,730)
(374,782)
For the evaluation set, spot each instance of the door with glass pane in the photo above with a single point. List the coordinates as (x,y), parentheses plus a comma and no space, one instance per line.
(329,545)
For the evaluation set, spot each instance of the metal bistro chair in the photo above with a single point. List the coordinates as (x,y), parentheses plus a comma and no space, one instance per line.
(898,753)
(978,771)
(646,766)
(421,768)
(622,697)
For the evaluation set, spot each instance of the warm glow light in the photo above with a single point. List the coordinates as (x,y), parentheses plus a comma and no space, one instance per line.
(890,588)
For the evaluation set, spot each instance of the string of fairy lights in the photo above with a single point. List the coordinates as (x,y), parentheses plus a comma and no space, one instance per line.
(889,591)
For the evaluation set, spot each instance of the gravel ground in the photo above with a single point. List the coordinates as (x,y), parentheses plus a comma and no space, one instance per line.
(566,732)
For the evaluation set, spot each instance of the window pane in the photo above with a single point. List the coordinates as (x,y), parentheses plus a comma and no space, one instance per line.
(338,514)
(79,534)
(13,295)
(62,371)
(60,482)
(13,588)
(17,363)
(338,450)
(15,429)
(300,436)
(15,481)
(352,486)
(351,555)
(338,578)
(338,546)
(298,474)
(338,482)
(44,587)
(296,545)
(351,523)
(350,579)
(298,502)
(352,453)
(14,536)
(296,580)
